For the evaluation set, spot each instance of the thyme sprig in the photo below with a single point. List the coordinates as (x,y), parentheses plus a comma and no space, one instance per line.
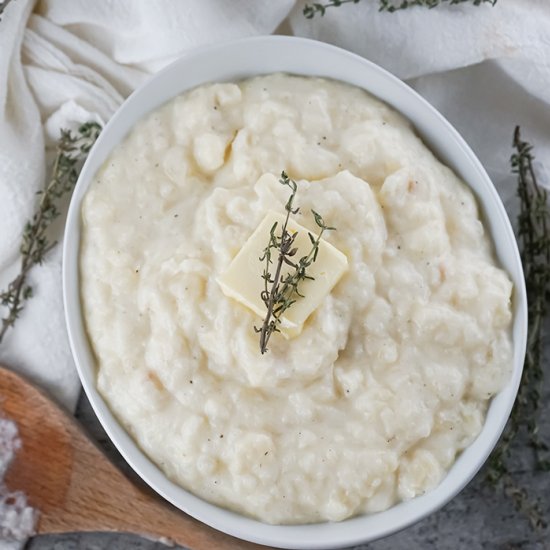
(534,242)
(72,149)
(391,6)
(310,10)
(281,291)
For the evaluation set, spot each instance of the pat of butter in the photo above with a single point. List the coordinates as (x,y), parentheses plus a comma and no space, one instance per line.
(243,278)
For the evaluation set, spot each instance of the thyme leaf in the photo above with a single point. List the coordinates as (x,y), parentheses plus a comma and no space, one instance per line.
(281,291)
(72,149)
(391,6)
(534,242)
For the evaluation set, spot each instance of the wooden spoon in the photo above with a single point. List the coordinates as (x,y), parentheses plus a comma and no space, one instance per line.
(76,488)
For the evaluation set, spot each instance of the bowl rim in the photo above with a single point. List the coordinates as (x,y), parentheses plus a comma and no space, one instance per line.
(359,529)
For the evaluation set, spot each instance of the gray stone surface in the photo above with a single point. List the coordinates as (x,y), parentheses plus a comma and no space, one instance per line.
(478,518)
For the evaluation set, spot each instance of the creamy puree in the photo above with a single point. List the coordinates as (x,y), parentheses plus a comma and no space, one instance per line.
(390,377)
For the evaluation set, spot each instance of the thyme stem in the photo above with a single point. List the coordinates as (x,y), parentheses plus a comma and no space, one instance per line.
(284,290)
(265,332)
(72,149)
(391,6)
(534,242)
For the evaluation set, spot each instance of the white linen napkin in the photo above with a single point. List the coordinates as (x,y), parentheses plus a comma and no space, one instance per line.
(486,69)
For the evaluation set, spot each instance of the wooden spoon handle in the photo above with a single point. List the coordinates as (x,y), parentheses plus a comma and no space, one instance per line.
(76,488)
(103,499)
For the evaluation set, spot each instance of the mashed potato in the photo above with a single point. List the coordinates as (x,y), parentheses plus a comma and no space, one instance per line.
(392,373)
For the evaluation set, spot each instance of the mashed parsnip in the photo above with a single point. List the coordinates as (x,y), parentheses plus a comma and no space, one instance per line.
(392,374)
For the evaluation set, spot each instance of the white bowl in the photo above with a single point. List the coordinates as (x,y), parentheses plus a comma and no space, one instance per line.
(245,58)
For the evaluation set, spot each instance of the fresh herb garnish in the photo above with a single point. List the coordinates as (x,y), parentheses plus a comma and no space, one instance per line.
(310,10)
(281,291)
(534,242)
(72,149)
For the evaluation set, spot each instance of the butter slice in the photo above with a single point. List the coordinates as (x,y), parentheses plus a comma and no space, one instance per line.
(243,281)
